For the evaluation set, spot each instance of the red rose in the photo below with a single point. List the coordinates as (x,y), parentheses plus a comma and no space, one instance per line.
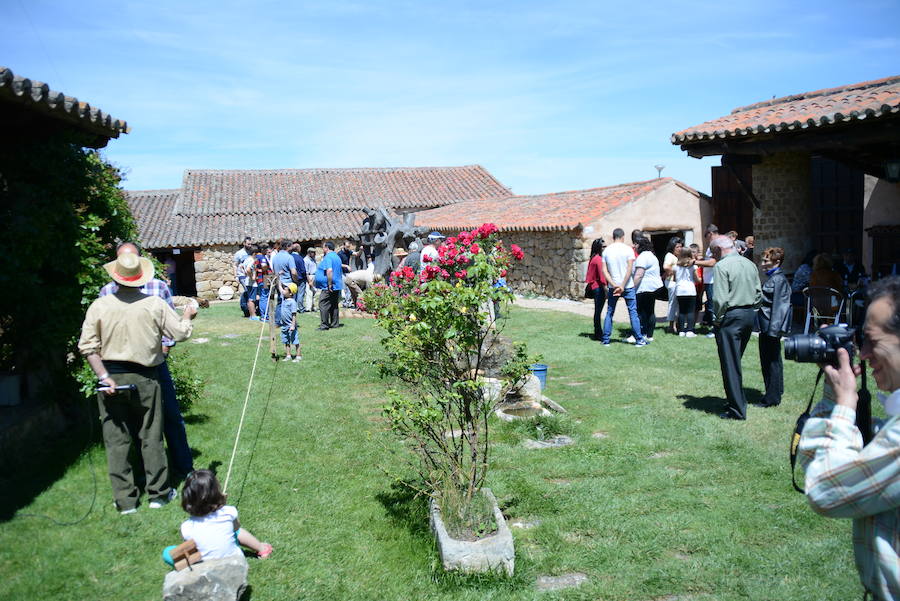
(474,249)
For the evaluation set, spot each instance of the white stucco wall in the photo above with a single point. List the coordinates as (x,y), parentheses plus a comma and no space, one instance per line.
(669,208)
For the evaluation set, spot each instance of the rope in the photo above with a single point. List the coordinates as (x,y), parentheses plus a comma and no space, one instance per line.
(237,438)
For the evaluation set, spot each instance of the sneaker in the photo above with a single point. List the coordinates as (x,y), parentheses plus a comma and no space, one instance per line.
(690,335)
(254,318)
(297,359)
(124,511)
(630,340)
(711,335)
(649,339)
(157,503)
(605,343)
(641,343)
(682,334)
(286,358)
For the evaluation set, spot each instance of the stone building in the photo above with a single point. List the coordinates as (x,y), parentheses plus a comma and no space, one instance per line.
(556,230)
(201,224)
(817,170)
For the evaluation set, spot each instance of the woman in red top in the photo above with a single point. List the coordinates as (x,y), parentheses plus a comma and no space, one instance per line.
(597,284)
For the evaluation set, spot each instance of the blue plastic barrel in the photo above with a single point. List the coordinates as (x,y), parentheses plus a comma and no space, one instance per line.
(540,370)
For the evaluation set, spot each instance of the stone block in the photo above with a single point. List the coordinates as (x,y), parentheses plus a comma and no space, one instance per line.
(213,580)
(200,266)
(202,286)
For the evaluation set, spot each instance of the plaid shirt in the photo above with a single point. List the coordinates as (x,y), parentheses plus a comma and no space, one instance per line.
(845,480)
(153,287)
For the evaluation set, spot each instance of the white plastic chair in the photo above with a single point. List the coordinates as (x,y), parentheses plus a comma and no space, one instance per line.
(822,304)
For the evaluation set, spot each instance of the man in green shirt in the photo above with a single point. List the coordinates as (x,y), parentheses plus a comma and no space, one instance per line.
(736,297)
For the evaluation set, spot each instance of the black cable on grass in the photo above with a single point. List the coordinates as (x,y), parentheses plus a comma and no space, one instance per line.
(93,478)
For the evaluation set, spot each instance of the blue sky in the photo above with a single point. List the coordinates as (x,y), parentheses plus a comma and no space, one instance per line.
(548,96)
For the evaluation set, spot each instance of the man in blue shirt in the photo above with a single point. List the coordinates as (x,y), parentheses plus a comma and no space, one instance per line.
(330,280)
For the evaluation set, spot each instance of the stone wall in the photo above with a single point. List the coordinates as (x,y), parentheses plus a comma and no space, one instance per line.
(214,268)
(781,184)
(555,263)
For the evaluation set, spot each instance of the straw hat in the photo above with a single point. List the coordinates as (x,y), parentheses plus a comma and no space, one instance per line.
(130,270)
(400,252)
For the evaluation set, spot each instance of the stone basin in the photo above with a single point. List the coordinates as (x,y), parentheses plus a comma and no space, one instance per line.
(520,410)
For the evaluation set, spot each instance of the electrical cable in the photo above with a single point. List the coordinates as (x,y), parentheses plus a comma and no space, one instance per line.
(93,478)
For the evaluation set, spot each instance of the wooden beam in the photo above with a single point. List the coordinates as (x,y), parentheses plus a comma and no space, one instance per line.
(748,192)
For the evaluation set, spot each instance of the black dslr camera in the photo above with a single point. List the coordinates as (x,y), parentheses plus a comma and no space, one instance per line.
(821,346)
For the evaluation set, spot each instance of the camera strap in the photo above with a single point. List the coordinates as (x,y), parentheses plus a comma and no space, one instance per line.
(864,408)
(798,430)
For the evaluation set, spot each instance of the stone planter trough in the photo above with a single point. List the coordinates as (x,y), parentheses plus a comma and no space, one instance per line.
(493,553)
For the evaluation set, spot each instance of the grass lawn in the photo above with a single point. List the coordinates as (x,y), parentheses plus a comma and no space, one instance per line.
(658,499)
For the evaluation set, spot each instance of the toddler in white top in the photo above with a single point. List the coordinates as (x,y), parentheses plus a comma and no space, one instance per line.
(213,525)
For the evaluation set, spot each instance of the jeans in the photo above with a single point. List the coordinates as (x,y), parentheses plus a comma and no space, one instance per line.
(173,425)
(599,300)
(301,295)
(630,302)
(245,296)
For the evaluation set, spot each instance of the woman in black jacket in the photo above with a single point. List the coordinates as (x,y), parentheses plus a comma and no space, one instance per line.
(774,322)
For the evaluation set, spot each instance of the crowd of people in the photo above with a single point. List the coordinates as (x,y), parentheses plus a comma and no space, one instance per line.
(129,329)
(336,278)
(736,301)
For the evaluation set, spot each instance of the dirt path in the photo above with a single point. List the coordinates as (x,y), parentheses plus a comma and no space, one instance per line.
(584,308)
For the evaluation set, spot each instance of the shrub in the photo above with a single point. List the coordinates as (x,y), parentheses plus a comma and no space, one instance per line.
(188,385)
(61,213)
(439,332)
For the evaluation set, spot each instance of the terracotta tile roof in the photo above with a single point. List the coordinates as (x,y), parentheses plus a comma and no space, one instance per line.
(221,207)
(160,227)
(542,212)
(867,100)
(38,96)
(247,192)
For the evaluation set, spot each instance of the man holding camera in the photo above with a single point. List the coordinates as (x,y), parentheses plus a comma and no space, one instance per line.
(844,479)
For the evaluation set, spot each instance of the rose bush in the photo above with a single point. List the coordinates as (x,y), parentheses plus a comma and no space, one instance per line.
(440,328)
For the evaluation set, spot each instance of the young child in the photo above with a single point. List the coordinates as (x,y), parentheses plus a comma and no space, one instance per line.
(289,334)
(213,525)
(686,292)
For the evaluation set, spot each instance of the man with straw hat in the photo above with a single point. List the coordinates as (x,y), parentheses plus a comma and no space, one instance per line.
(121,340)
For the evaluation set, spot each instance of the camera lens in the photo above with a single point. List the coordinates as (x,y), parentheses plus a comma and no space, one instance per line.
(805,348)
